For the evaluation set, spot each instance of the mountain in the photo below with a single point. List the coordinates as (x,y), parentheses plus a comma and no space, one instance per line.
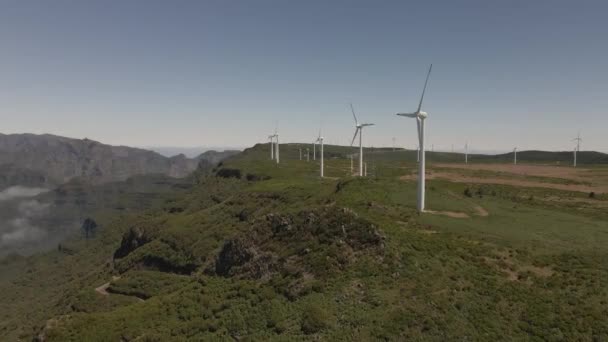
(49,160)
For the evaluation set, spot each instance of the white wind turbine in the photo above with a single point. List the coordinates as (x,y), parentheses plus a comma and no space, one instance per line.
(271,142)
(276,145)
(359,130)
(466,152)
(420,116)
(320,141)
(515,156)
(578,146)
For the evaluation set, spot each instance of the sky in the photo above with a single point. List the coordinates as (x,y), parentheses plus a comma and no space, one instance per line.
(182,73)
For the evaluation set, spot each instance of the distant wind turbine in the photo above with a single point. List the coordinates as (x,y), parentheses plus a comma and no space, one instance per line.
(359,130)
(320,141)
(466,152)
(420,116)
(515,156)
(276,153)
(578,146)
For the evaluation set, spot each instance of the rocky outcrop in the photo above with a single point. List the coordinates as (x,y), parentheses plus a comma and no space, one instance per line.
(134,238)
(298,246)
(243,258)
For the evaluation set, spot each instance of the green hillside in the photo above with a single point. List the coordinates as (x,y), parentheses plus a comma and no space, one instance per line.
(252,250)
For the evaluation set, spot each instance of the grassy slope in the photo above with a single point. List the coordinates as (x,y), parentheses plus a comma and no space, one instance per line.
(532,269)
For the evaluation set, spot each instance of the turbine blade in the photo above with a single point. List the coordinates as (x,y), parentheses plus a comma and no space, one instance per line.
(354,136)
(409,115)
(354,116)
(424,89)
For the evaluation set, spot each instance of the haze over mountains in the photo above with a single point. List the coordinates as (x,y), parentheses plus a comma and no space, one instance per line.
(49,184)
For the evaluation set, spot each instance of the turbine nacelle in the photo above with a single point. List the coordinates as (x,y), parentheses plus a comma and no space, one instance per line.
(421,115)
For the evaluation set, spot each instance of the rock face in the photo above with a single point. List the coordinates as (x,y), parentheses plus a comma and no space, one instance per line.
(135,237)
(53,160)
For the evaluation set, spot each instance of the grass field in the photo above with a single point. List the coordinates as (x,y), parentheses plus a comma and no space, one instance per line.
(273,252)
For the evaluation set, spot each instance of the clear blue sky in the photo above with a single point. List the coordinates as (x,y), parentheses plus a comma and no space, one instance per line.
(192,73)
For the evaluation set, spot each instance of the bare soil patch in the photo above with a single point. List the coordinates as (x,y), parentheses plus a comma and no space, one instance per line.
(453,214)
(481,211)
(459,178)
(576,174)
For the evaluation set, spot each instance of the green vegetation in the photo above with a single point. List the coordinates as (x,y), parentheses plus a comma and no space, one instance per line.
(272,252)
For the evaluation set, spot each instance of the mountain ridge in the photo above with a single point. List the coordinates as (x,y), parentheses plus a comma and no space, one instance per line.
(51,160)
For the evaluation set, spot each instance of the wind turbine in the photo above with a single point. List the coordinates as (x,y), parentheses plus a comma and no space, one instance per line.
(314,149)
(466,152)
(320,141)
(578,146)
(420,116)
(271,142)
(515,156)
(359,130)
(276,154)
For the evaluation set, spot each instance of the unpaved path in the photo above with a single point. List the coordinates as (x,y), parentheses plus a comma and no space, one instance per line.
(103,289)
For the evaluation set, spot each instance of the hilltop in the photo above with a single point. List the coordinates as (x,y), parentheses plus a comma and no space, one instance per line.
(252,250)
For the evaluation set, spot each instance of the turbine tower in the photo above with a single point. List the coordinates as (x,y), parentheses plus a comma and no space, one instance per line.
(359,130)
(420,116)
(515,156)
(276,144)
(314,149)
(466,152)
(578,146)
(271,142)
(320,141)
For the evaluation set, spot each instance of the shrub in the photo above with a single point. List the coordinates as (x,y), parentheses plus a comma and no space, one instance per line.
(592,194)
(468,192)
(315,319)
(229,173)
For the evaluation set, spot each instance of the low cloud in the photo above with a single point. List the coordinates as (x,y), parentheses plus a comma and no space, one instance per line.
(20,231)
(19,212)
(18,191)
